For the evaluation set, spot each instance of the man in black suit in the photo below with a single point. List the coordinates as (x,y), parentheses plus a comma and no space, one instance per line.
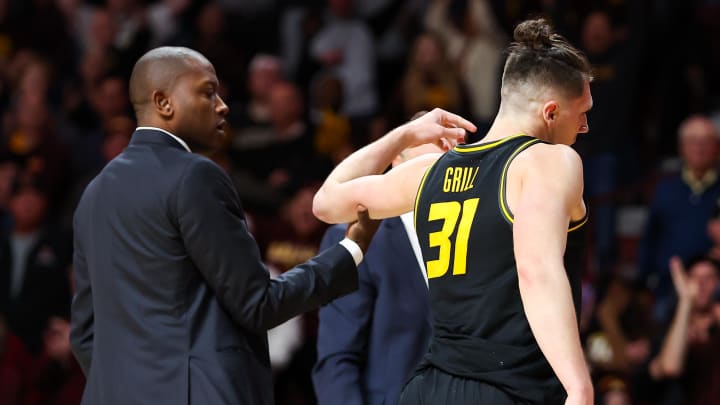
(172,300)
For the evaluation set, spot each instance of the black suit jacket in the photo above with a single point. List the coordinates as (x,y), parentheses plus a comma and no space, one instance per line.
(172,300)
(370,341)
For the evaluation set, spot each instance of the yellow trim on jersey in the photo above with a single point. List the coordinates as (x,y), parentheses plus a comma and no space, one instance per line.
(579,224)
(464,148)
(505,210)
(417,195)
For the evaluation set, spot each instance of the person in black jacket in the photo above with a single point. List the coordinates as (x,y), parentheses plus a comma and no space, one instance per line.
(172,300)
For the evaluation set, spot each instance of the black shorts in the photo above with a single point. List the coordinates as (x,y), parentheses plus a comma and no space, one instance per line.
(432,386)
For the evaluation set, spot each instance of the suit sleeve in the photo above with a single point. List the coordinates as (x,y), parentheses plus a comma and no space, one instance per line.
(343,336)
(81,311)
(213,228)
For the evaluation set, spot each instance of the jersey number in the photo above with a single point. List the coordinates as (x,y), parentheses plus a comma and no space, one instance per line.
(450,212)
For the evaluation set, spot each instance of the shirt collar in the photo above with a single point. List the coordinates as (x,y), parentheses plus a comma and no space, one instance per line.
(180,141)
(408,223)
(698,186)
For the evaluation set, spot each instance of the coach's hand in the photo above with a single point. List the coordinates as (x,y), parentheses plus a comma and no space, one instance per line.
(362,230)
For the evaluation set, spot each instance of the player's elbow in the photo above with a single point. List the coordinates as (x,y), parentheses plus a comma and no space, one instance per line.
(536,273)
(321,208)
(527,276)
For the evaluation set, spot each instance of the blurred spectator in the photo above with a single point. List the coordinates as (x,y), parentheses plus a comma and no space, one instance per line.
(30,136)
(611,147)
(713,231)
(116,31)
(9,170)
(264,72)
(57,378)
(283,155)
(293,235)
(429,80)
(164,20)
(345,47)
(690,348)
(212,41)
(474,42)
(707,15)
(333,129)
(613,391)
(14,368)
(115,138)
(680,210)
(33,258)
(104,101)
(48,33)
(623,344)
(395,23)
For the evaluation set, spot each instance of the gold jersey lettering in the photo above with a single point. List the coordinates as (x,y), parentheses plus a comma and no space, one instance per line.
(459,179)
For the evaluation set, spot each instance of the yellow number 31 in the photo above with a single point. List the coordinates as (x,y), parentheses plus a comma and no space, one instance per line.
(449,212)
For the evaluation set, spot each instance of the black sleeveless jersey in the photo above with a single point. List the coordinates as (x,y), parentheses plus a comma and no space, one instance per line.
(465,230)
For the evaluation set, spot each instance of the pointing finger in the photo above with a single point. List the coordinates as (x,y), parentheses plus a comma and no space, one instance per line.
(449,119)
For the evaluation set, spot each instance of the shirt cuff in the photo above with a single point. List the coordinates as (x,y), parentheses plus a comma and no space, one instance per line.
(354,250)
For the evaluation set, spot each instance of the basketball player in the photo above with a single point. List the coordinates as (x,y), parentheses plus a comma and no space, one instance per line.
(499,224)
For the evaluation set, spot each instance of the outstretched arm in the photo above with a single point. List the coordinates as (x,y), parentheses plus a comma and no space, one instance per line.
(356,181)
(550,191)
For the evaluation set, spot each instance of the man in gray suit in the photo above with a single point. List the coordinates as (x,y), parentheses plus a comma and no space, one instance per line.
(172,301)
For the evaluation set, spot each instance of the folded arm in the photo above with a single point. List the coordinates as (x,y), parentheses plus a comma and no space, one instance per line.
(357,181)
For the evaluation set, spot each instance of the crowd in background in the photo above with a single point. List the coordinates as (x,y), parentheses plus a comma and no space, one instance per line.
(308,82)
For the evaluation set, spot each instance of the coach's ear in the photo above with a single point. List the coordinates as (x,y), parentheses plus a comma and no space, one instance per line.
(162,104)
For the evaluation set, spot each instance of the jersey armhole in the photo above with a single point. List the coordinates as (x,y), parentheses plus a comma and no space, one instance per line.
(502,197)
(420,188)
(575,225)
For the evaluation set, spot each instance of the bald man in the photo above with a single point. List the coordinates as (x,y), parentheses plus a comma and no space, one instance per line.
(680,209)
(172,301)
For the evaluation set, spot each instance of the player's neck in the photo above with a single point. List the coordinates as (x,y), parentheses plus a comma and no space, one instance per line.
(509,125)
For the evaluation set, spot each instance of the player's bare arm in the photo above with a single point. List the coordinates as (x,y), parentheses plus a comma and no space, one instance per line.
(357,181)
(545,194)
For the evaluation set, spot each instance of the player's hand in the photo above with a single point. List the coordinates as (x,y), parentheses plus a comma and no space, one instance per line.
(438,126)
(362,230)
(581,396)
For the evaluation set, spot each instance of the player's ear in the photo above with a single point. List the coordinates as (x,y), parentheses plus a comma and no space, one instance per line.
(550,111)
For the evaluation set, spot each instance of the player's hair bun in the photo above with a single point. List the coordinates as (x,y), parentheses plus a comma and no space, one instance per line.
(535,34)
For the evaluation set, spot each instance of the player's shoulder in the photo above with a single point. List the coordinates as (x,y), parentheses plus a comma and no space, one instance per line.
(550,157)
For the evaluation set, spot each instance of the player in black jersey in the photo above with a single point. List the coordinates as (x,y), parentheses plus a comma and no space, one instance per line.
(499,223)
